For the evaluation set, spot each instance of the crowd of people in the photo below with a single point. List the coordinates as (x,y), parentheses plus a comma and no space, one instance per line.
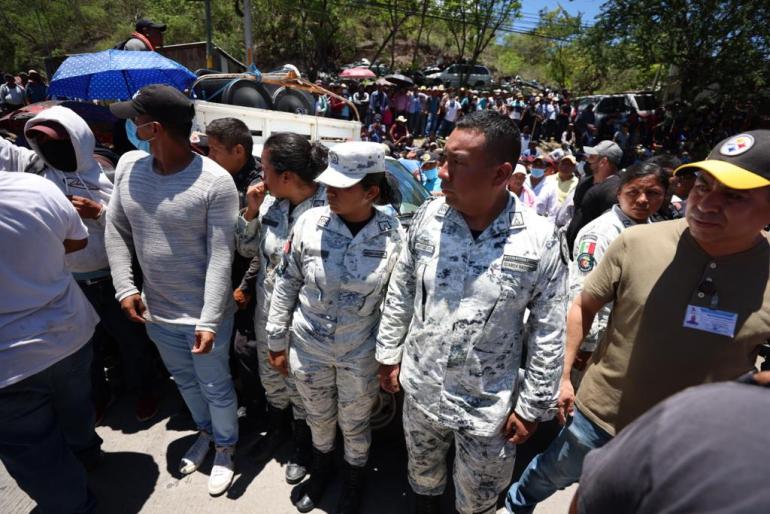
(28,89)
(547,117)
(541,280)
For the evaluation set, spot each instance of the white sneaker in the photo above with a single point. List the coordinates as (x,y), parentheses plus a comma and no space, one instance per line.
(222,472)
(196,454)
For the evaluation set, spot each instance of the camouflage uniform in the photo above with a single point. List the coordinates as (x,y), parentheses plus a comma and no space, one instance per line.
(263,238)
(453,318)
(590,245)
(327,301)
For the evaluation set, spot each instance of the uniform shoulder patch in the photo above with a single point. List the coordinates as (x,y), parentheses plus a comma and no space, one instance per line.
(587,245)
(319,203)
(586,262)
(385,226)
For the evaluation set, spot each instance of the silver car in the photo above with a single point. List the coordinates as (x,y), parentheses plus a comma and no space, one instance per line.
(475,76)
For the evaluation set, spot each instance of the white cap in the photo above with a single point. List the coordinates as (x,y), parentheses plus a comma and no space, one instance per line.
(520,168)
(556,155)
(350,162)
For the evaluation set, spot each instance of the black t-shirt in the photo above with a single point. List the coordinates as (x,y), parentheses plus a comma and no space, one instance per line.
(704,450)
(591,201)
(356,226)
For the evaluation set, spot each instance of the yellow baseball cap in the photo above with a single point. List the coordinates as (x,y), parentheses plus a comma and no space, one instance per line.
(738,162)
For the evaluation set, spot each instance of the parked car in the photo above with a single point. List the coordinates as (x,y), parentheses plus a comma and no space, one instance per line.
(475,76)
(412,193)
(581,102)
(386,419)
(622,104)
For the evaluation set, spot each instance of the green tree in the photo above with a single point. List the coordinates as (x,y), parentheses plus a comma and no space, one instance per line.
(711,48)
(474,24)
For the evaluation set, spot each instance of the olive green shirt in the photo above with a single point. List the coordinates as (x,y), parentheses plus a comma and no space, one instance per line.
(653,273)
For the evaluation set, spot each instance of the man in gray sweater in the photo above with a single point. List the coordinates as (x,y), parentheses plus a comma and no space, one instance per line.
(176,211)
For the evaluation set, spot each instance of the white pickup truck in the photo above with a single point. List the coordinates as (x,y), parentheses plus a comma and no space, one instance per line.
(263,122)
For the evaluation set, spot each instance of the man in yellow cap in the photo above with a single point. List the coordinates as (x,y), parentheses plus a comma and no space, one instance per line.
(691,305)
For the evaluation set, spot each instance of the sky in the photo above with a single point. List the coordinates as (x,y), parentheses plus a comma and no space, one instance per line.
(589,8)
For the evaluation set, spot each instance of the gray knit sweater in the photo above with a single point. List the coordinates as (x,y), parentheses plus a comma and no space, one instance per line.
(181,229)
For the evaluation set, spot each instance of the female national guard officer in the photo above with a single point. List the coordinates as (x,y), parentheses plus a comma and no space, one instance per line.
(290,164)
(327,298)
(641,192)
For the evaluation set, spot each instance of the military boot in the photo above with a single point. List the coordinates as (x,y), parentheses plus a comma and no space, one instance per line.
(302,454)
(320,475)
(352,489)
(278,431)
(427,504)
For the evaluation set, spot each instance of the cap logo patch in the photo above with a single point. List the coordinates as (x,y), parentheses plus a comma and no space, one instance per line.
(737,145)
(333,158)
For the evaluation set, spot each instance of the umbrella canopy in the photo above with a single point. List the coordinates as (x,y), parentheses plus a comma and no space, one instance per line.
(358,73)
(400,80)
(116,75)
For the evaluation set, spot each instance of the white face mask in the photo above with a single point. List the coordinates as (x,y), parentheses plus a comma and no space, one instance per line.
(538,172)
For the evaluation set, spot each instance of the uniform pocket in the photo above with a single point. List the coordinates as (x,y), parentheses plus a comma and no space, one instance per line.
(313,285)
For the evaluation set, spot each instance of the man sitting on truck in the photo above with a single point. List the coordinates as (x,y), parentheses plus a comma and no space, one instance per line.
(147,37)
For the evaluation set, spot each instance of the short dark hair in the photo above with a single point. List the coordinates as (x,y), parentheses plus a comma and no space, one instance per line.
(231,132)
(178,129)
(502,137)
(293,152)
(643,169)
(665,161)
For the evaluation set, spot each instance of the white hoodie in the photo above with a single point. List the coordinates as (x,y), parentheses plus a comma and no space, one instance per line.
(88,180)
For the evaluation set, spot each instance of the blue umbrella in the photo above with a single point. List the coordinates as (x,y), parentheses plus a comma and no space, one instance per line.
(116,75)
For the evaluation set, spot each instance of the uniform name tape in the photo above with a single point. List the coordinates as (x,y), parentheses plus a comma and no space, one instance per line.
(516,263)
(376,254)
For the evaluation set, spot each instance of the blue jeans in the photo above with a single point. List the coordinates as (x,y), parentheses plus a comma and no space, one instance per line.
(203,379)
(559,466)
(47,419)
(432,124)
(446,128)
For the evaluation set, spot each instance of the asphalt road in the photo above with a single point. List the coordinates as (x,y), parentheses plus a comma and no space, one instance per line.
(139,473)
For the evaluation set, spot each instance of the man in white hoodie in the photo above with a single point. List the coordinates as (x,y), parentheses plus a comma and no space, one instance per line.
(62,152)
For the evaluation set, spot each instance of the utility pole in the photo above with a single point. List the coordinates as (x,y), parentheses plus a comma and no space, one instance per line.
(247,32)
(209,45)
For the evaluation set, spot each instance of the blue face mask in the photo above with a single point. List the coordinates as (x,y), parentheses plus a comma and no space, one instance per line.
(139,144)
(430,174)
(538,172)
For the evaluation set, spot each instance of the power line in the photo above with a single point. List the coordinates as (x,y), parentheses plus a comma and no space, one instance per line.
(446,15)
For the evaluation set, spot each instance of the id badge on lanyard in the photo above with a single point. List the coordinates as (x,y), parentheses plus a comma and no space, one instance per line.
(709,318)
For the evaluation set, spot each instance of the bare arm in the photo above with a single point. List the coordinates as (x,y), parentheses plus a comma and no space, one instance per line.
(580,316)
(73,245)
